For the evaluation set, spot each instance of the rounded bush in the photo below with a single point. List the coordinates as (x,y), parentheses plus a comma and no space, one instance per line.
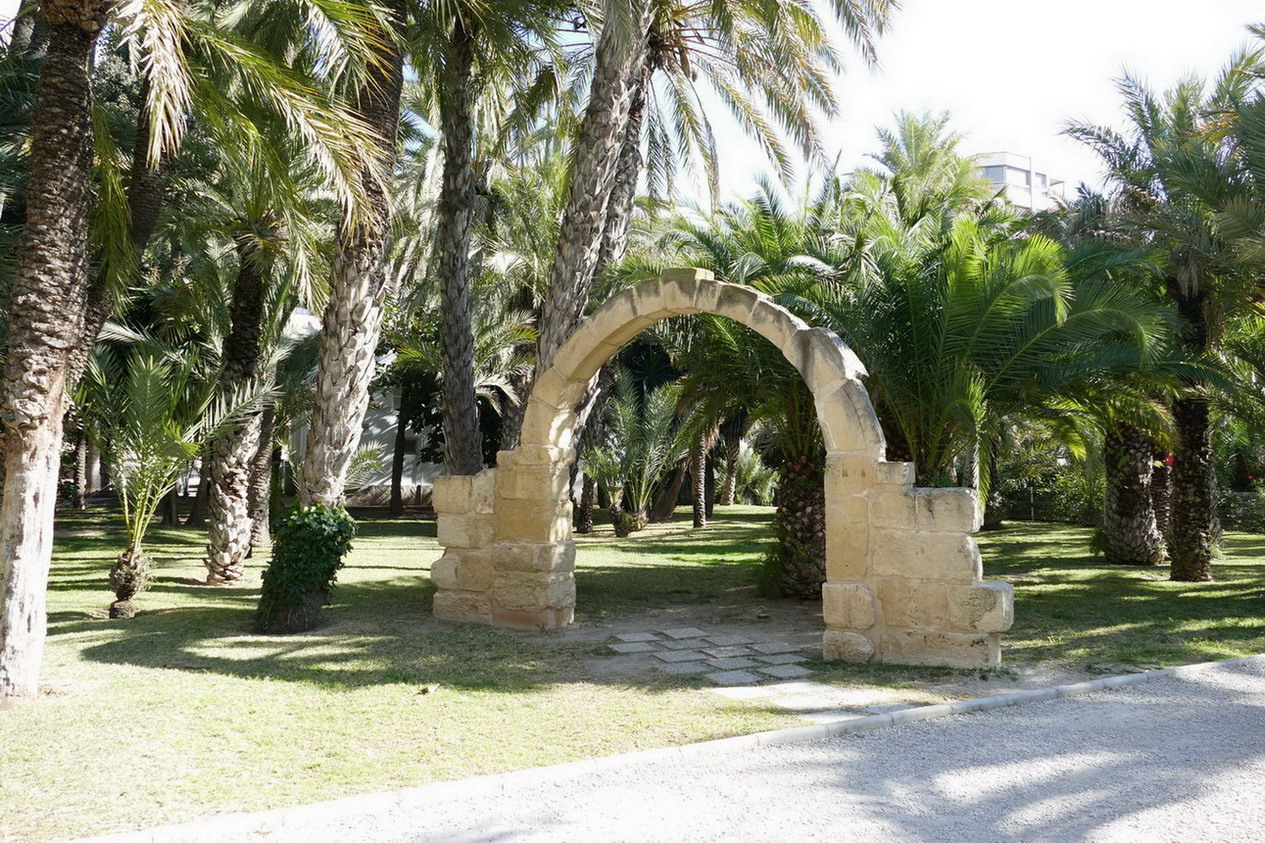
(308,546)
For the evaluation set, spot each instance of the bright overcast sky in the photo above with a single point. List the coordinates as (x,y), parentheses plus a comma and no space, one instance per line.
(1012,72)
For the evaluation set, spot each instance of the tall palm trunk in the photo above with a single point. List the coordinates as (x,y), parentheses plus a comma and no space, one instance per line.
(1192,527)
(233,454)
(145,193)
(30,34)
(353,317)
(800,527)
(619,208)
(261,481)
(733,445)
(402,422)
(1161,492)
(1193,519)
(463,450)
(620,61)
(698,469)
(1132,536)
(46,321)
(665,503)
(584,513)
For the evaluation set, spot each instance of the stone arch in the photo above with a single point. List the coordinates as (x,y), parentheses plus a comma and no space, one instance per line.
(904,576)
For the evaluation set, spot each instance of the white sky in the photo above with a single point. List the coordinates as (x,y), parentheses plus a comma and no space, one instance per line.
(1012,72)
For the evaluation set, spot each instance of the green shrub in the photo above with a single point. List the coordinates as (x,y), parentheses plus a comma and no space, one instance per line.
(308,546)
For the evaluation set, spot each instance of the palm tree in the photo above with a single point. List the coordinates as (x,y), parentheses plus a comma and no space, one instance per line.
(1173,176)
(150,412)
(353,316)
(46,319)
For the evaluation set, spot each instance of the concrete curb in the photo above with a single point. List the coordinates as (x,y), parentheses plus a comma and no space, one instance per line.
(267,822)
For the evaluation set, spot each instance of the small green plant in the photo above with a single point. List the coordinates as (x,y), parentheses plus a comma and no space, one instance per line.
(308,546)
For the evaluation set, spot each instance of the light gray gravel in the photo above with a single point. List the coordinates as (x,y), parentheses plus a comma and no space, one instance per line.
(1177,758)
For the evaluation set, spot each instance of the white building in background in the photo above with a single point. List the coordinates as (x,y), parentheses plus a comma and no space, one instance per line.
(1017,178)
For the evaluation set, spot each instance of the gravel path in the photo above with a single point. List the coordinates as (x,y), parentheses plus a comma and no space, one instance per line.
(1171,759)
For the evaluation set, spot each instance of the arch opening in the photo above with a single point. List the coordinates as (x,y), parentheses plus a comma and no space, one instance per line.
(904,579)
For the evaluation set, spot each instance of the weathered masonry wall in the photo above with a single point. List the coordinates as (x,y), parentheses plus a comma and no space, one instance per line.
(903,572)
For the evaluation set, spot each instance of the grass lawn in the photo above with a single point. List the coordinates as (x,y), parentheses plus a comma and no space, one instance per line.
(181,712)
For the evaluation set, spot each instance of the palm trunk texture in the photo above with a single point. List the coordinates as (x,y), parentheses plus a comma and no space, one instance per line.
(617,72)
(1192,518)
(463,449)
(1132,536)
(698,474)
(233,454)
(261,481)
(584,513)
(800,527)
(353,317)
(46,321)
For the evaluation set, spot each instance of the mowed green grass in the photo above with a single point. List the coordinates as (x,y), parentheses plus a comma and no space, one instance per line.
(182,712)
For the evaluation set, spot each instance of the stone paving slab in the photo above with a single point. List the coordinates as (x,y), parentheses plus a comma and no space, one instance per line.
(727,640)
(683,668)
(774,647)
(679,644)
(785,671)
(634,647)
(727,652)
(684,632)
(733,677)
(782,658)
(680,656)
(731,664)
(632,637)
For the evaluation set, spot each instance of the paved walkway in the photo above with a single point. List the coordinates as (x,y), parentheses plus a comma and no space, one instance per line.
(1171,759)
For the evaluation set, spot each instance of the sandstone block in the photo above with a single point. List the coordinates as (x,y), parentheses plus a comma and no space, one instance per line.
(463,606)
(468,531)
(849,474)
(913,603)
(949,510)
(556,390)
(483,492)
(557,558)
(462,570)
(985,607)
(843,646)
(847,605)
(847,548)
(952,557)
(848,421)
(895,474)
(542,521)
(736,302)
(451,494)
(553,618)
(534,483)
(893,510)
(583,354)
(943,649)
(536,455)
(531,591)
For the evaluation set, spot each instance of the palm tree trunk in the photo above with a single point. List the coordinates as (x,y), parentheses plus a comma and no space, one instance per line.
(261,481)
(145,193)
(619,208)
(698,473)
(46,320)
(584,514)
(1132,537)
(233,454)
(665,504)
(618,68)
(30,34)
(353,317)
(81,469)
(1192,520)
(1161,493)
(401,450)
(800,527)
(463,449)
(197,510)
(733,445)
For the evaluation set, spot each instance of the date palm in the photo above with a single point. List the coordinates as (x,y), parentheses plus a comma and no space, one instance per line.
(1172,174)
